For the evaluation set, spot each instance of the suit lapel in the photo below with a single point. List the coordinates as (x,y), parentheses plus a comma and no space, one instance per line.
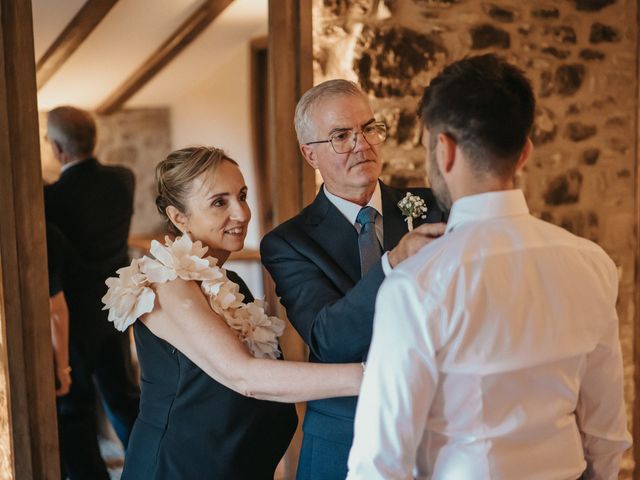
(393,222)
(333,233)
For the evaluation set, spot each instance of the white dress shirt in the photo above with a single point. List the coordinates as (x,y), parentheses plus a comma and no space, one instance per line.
(495,355)
(350,211)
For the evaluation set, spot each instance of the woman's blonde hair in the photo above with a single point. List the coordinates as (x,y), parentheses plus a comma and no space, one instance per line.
(176,173)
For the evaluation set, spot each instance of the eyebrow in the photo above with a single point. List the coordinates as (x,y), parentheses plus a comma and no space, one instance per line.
(226,194)
(344,129)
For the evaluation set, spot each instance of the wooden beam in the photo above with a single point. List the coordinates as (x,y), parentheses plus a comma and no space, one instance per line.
(290,65)
(24,310)
(78,29)
(635,412)
(290,75)
(183,36)
(259,95)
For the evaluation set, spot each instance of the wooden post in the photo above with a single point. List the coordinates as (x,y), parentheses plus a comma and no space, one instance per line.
(24,309)
(290,75)
(290,62)
(635,426)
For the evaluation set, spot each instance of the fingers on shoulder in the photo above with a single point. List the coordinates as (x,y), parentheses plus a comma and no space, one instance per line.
(431,228)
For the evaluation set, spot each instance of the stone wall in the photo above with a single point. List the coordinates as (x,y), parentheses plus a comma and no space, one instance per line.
(137,139)
(581,56)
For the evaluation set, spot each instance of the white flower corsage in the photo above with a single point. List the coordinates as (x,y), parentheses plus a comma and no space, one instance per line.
(130,294)
(412,206)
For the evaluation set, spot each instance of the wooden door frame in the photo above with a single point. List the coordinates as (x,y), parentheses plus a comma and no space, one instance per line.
(259,132)
(290,74)
(24,307)
(636,331)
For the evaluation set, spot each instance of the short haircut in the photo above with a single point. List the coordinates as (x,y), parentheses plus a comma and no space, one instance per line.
(309,100)
(487,105)
(74,130)
(176,173)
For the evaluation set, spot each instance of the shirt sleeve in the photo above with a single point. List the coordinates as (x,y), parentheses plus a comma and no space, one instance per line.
(601,410)
(386,266)
(399,384)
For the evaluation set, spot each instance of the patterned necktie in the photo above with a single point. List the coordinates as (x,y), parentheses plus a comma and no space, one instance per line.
(370,251)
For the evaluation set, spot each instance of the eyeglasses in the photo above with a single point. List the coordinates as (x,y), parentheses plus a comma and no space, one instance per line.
(345,140)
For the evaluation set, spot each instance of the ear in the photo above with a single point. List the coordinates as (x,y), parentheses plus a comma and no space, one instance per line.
(309,155)
(57,148)
(179,219)
(446,152)
(524,156)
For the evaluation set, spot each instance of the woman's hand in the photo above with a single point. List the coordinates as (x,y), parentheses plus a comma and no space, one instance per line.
(64,378)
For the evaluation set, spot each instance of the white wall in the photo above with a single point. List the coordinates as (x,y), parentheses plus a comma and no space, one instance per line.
(217,112)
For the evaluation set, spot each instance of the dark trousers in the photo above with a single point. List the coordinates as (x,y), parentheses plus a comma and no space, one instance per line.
(322,459)
(104,363)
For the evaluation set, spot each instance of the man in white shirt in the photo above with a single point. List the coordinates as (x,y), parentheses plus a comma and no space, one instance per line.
(495,351)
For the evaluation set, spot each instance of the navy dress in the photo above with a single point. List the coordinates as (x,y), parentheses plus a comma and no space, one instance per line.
(192,427)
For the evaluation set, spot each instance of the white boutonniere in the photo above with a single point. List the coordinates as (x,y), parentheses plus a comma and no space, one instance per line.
(412,206)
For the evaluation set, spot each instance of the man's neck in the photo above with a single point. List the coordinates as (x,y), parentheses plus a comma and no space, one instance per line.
(70,163)
(484,184)
(359,196)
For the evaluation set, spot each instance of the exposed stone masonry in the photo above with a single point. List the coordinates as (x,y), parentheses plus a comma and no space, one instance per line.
(581,56)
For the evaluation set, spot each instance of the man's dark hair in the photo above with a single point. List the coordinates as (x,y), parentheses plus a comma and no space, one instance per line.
(487,106)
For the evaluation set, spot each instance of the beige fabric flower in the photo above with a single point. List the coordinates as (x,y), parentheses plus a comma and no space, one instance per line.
(258,331)
(130,295)
(187,258)
(223,294)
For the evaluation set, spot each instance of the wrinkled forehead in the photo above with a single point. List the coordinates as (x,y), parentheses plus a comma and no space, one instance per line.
(341,111)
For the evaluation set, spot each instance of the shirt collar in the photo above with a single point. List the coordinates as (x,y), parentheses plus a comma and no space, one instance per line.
(484,206)
(349,209)
(67,166)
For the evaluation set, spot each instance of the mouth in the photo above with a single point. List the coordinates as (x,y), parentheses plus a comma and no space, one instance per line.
(362,162)
(236,231)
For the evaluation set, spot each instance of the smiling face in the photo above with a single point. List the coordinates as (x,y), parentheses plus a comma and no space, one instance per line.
(217,210)
(352,175)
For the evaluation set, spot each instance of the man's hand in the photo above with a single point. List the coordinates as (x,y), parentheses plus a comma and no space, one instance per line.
(414,241)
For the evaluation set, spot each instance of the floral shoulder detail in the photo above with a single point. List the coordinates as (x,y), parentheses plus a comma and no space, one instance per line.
(130,294)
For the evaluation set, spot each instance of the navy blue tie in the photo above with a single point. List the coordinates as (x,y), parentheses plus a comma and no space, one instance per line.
(368,245)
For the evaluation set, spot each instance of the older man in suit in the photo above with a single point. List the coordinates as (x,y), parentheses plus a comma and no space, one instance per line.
(329,261)
(92,205)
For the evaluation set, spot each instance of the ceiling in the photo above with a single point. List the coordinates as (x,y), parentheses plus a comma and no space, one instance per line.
(127,36)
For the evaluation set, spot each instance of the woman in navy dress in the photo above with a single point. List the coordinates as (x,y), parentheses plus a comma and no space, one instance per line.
(209,408)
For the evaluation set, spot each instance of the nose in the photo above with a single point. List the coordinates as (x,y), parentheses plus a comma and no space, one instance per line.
(240,211)
(361,144)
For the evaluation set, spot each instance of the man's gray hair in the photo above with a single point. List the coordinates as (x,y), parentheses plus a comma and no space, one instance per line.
(73,129)
(329,89)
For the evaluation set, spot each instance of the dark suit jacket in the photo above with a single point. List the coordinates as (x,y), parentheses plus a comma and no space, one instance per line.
(91,204)
(314,261)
